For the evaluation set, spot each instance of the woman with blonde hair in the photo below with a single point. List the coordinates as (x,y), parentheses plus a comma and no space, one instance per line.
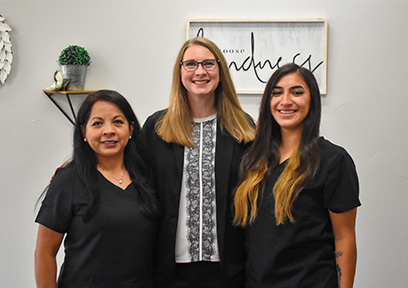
(298,192)
(194,149)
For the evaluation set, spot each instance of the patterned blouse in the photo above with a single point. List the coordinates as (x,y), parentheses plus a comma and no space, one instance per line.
(196,229)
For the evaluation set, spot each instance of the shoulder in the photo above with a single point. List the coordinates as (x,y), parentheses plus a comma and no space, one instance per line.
(155,117)
(65,182)
(149,126)
(248,118)
(65,175)
(335,160)
(148,136)
(331,151)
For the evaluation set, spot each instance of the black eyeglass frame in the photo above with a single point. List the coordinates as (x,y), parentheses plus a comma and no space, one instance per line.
(198,63)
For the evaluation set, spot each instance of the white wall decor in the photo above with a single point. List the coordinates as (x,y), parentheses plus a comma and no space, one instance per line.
(6,56)
(254,49)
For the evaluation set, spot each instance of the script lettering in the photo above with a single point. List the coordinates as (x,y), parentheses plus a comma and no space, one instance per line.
(250,63)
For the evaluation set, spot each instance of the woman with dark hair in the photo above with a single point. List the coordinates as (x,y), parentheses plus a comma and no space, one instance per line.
(298,192)
(194,149)
(101,202)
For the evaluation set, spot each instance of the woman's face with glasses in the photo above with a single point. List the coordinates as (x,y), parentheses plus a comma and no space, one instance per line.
(200,73)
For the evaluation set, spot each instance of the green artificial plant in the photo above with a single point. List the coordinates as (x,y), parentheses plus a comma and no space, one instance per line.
(74,55)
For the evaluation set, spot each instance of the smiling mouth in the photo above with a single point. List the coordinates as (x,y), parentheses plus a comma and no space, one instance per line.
(201,81)
(109,142)
(287,112)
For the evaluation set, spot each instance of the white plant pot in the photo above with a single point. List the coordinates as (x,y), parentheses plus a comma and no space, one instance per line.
(76,75)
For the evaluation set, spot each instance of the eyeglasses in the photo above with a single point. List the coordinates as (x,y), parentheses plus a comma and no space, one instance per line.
(191,65)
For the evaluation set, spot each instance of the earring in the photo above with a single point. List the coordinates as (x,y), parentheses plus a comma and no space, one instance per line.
(130,137)
(84,139)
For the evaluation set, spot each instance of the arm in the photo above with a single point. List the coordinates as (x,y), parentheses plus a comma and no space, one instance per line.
(48,243)
(345,245)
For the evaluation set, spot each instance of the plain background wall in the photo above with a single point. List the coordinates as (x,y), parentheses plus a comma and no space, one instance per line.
(133,45)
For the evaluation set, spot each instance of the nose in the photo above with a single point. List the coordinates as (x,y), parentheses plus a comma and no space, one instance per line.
(109,129)
(286,98)
(200,68)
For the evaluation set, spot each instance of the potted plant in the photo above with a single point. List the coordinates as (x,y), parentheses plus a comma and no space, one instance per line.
(73,61)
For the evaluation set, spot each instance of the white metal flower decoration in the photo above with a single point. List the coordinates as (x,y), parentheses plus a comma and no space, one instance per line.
(6,56)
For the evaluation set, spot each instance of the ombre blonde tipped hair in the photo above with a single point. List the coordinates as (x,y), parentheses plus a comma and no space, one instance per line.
(263,156)
(176,124)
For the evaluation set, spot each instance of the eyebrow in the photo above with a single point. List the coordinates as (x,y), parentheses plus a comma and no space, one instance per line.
(209,59)
(95,118)
(294,87)
(100,118)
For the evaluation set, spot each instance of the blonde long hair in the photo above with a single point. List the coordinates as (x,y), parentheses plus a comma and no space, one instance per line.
(263,156)
(176,124)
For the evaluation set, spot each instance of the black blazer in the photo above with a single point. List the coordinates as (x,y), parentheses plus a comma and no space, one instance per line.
(166,163)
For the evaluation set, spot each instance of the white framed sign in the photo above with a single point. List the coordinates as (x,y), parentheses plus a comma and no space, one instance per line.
(255,49)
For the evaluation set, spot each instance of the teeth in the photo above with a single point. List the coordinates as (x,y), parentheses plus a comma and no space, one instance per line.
(286,112)
(200,82)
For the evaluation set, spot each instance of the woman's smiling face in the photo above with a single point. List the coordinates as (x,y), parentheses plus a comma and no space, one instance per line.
(107,131)
(200,83)
(290,102)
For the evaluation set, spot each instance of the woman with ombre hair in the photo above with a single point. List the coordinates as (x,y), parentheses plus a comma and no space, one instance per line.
(298,192)
(194,148)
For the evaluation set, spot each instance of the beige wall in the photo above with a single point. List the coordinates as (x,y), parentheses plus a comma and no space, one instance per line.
(133,45)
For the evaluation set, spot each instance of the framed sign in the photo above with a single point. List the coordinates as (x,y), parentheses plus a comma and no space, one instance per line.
(255,49)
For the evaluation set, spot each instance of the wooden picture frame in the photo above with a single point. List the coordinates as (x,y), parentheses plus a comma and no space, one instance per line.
(254,49)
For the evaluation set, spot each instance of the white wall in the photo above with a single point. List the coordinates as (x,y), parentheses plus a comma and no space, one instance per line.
(133,45)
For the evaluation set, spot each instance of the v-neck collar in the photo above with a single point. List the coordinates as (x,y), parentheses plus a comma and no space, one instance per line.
(113,184)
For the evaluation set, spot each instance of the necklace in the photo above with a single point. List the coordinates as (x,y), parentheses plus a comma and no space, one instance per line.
(119,180)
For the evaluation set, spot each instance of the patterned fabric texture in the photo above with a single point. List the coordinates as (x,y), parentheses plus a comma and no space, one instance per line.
(200,196)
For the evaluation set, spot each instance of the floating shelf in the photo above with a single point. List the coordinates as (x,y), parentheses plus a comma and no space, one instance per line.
(72,118)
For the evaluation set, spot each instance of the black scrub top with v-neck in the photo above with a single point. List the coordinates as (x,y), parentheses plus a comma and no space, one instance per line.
(114,248)
(301,254)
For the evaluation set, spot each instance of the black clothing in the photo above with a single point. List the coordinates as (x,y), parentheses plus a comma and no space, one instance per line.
(301,254)
(209,276)
(166,162)
(114,248)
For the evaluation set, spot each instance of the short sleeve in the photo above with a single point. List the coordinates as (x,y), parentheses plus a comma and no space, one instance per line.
(56,209)
(341,190)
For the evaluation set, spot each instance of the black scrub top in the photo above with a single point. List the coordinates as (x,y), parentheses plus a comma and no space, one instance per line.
(301,254)
(114,248)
